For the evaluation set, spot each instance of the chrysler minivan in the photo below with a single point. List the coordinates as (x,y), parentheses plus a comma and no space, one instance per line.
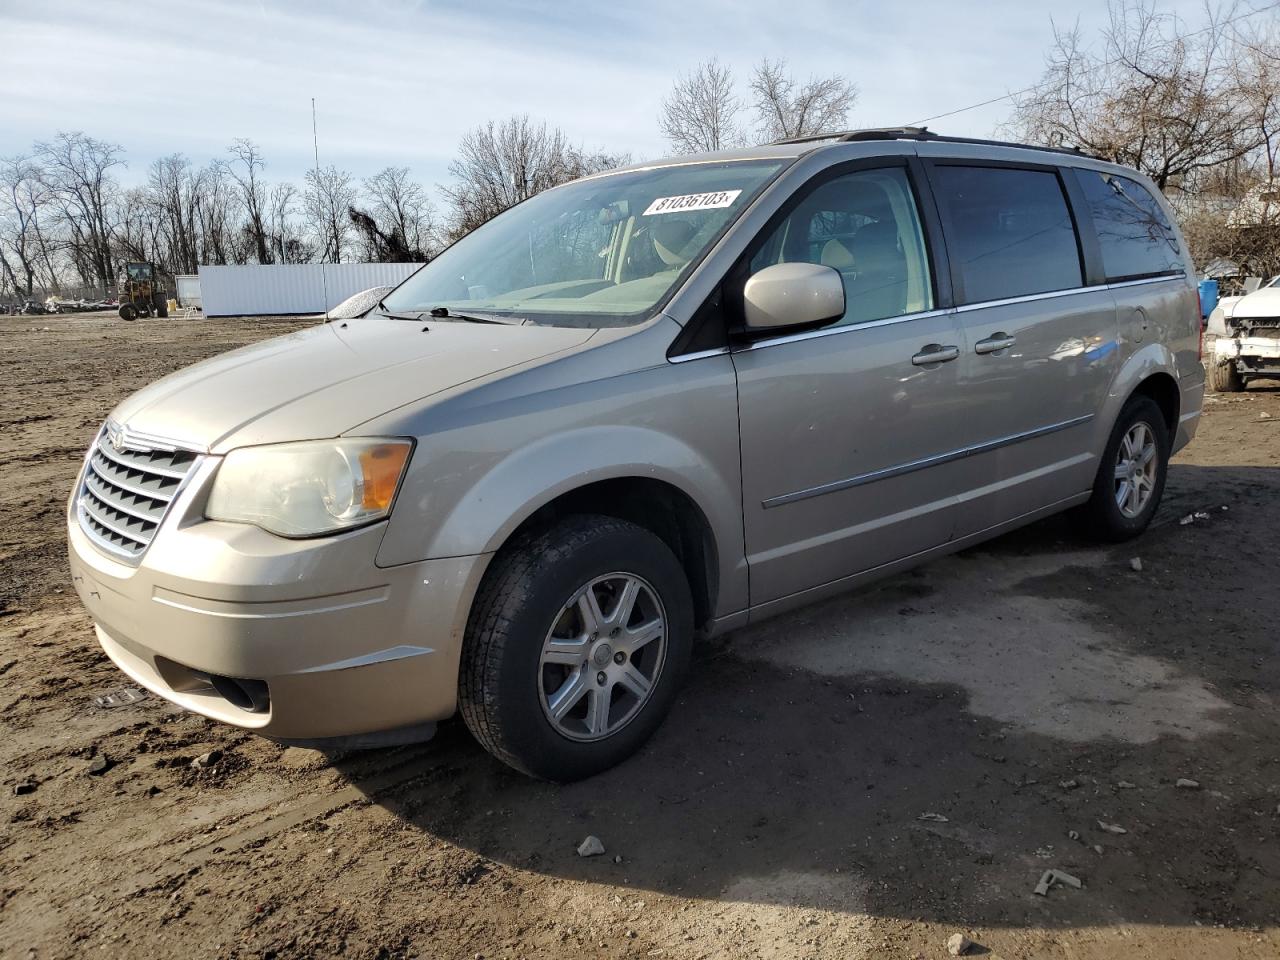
(655,403)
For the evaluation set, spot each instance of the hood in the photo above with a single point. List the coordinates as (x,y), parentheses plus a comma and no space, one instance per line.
(1261,303)
(325,380)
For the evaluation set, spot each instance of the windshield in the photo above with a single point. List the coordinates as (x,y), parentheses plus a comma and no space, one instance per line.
(600,252)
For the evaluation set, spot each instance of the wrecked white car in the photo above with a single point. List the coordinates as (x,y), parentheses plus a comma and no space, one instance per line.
(1244,338)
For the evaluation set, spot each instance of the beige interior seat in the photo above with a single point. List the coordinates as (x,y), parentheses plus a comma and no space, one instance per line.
(836,254)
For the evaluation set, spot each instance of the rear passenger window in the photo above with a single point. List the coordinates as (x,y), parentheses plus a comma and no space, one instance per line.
(1136,237)
(1009,231)
(864,225)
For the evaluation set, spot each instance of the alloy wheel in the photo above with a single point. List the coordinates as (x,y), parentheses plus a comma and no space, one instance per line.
(602,657)
(1135,470)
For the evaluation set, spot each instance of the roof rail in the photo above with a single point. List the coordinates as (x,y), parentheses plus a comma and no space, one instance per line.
(918,133)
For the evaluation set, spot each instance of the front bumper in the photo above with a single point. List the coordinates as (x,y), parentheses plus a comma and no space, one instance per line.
(339,646)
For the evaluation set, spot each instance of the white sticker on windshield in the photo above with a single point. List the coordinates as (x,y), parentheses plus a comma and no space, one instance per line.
(715,200)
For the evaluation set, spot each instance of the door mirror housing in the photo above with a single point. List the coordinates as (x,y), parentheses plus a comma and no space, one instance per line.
(793,295)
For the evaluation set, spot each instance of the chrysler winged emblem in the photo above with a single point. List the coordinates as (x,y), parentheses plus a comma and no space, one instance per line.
(115,434)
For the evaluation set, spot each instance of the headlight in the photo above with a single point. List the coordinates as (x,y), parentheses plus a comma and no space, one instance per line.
(309,489)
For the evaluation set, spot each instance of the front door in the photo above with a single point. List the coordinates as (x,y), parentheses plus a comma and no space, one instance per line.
(846,430)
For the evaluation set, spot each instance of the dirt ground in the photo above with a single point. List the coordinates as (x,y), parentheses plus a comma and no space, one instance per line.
(858,779)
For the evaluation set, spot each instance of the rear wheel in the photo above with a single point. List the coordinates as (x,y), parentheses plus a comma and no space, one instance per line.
(161,305)
(577,644)
(1131,476)
(1225,377)
(128,312)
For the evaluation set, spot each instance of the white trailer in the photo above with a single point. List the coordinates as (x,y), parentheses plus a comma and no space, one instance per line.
(290,289)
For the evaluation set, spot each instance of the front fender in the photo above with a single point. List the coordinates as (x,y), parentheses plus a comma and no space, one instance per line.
(488,465)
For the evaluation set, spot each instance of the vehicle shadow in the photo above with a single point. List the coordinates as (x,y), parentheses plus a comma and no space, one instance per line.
(927,748)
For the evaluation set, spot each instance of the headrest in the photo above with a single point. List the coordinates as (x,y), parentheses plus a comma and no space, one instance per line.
(836,254)
(670,238)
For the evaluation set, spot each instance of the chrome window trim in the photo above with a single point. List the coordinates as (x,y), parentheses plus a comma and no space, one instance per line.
(1030,298)
(912,466)
(906,317)
(844,328)
(698,355)
(1141,281)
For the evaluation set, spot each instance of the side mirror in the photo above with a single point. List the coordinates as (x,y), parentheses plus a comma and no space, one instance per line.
(793,295)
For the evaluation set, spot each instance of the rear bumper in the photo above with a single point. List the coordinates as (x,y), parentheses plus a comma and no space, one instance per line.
(1190,405)
(326,643)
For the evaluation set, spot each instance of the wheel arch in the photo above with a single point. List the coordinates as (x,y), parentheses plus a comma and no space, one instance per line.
(1150,371)
(656,505)
(651,477)
(1163,389)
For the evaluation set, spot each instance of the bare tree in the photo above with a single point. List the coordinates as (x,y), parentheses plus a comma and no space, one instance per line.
(787,108)
(245,169)
(1152,95)
(24,201)
(138,228)
(401,214)
(329,198)
(174,195)
(701,112)
(500,164)
(288,244)
(221,241)
(78,171)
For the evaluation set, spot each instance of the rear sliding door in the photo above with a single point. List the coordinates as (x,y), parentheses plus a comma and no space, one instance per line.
(1040,338)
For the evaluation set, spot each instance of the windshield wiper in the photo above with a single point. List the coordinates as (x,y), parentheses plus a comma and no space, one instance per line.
(399,316)
(444,313)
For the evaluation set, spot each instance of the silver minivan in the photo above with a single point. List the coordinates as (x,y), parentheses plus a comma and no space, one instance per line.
(648,405)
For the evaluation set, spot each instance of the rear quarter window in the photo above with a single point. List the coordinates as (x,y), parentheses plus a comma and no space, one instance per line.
(1009,231)
(1136,238)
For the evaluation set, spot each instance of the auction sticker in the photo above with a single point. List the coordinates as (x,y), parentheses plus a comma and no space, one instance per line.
(715,200)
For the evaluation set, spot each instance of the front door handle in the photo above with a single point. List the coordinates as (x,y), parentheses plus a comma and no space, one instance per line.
(994,343)
(932,353)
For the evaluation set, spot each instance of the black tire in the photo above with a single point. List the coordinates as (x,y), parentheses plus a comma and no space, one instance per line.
(1225,377)
(128,311)
(1101,513)
(500,678)
(161,305)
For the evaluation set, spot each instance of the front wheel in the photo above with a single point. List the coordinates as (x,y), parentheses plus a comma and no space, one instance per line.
(577,644)
(1131,476)
(128,311)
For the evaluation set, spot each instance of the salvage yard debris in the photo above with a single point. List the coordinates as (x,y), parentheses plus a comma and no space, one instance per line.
(119,698)
(1051,878)
(206,760)
(1111,827)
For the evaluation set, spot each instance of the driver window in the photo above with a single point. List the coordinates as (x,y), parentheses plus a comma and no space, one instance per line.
(866,226)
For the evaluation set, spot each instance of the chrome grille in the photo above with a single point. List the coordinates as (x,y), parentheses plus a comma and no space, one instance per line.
(125,492)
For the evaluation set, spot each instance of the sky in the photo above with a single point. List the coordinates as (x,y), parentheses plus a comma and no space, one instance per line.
(400,81)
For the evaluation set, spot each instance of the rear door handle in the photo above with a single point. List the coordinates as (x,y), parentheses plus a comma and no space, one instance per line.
(994,343)
(935,353)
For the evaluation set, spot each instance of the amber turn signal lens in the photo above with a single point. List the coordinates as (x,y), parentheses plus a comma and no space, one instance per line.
(380,468)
